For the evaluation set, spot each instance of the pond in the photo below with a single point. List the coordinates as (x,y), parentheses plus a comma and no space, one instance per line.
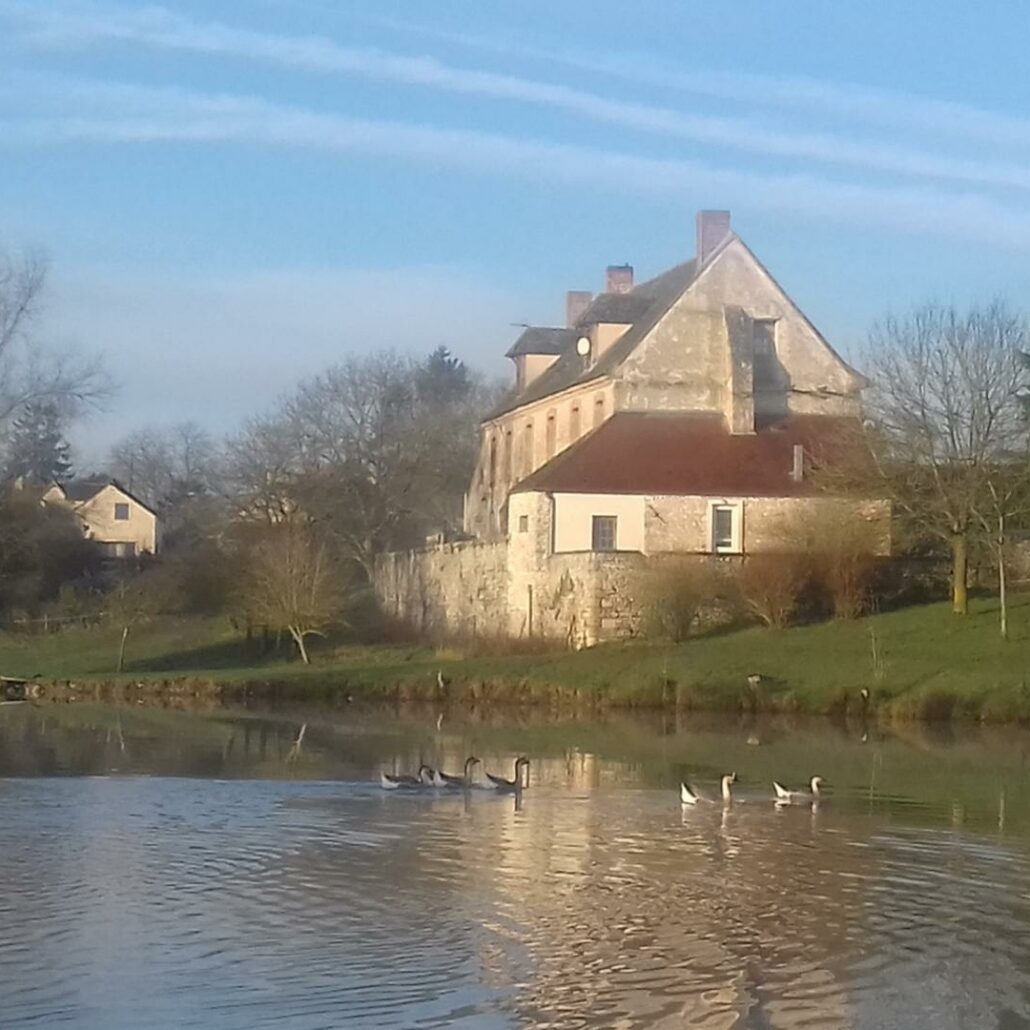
(204,869)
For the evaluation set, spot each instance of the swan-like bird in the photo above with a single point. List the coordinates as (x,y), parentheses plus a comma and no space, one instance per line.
(689,796)
(515,784)
(792,797)
(402,782)
(442,779)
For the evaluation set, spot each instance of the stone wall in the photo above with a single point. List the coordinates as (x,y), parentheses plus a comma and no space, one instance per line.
(518,588)
(458,589)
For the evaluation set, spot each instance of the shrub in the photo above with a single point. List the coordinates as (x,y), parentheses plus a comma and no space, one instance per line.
(772,585)
(839,542)
(679,595)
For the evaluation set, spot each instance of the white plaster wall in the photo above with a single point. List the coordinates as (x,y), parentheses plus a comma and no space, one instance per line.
(573,520)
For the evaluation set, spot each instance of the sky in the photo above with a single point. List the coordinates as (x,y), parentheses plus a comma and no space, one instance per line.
(234,195)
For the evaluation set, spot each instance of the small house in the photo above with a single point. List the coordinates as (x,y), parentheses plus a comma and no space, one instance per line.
(120,523)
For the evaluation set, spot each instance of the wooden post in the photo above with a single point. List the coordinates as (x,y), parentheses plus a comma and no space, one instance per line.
(121,650)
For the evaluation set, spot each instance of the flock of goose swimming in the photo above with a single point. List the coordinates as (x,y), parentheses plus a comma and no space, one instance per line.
(429,778)
(781,794)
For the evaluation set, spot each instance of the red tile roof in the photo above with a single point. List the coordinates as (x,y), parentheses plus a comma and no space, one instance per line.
(691,454)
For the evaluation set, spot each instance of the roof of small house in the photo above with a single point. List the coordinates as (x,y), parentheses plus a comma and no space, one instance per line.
(79,491)
(641,309)
(692,454)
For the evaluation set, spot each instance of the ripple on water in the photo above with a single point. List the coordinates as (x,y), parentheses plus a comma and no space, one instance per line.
(245,904)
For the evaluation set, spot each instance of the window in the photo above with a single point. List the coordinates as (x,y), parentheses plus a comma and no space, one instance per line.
(725,528)
(603,535)
(121,513)
(527,449)
(598,411)
(765,367)
(523,523)
(493,462)
(574,423)
(551,440)
(507,458)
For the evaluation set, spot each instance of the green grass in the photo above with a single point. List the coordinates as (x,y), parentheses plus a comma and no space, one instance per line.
(930,664)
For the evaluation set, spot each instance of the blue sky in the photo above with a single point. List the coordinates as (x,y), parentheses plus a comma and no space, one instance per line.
(235,194)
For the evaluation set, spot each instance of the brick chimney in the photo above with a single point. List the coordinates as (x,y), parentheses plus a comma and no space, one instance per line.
(619,279)
(712,228)
(576,302)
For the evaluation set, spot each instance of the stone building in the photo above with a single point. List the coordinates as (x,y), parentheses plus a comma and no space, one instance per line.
(679,416)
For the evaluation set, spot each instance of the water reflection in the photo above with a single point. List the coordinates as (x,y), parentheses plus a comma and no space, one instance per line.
(292,891)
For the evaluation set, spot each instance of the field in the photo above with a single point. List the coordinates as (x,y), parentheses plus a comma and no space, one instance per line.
(921,662)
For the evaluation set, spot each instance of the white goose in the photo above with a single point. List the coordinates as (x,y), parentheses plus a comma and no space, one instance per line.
(388,781)
(793,797)
(689,796)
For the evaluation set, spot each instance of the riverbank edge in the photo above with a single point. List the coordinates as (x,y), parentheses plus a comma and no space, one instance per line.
(504,694)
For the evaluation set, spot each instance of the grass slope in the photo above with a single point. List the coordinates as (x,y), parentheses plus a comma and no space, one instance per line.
(921,662)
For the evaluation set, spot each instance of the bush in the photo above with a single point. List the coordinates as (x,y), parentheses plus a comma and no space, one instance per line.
(839,543)
(772,585)
(679,596)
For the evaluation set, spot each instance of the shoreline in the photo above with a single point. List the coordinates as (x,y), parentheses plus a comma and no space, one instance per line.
(336,691)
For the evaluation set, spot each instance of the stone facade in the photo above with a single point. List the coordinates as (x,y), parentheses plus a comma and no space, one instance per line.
(523,588)
(448,590)
(692,351)
(714,339)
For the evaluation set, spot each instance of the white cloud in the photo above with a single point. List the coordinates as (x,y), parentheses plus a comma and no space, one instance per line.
(218,350)
(888,108)
(83,24)
(176,115)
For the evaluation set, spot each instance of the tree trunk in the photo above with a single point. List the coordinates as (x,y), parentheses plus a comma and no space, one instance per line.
(959,572)
(121,649)
(299,638)
(1003,606)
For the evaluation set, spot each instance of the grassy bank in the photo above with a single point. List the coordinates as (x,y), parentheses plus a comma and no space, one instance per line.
(921,662)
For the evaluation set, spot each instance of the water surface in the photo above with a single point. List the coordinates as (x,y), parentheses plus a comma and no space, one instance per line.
(170,869)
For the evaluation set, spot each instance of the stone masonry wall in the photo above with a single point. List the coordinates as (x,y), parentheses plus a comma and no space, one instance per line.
(456,589)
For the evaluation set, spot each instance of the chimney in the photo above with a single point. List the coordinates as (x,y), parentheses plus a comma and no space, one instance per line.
(619,279)
(712,228)
(576,303)
(797,472)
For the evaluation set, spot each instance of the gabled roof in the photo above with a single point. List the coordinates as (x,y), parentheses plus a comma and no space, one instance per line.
(641,309)
(690,454)
(79,491)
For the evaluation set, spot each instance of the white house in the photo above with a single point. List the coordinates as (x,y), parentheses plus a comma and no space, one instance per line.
(121,524)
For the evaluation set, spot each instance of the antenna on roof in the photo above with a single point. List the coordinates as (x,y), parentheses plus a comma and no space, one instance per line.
(519,325)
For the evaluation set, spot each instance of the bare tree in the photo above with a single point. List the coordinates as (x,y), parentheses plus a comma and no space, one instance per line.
(292,583)
(376,451)
(946,413)
(1005,500)
(163,465)
(29,371)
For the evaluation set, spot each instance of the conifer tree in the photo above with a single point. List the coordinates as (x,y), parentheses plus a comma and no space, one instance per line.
(37,448)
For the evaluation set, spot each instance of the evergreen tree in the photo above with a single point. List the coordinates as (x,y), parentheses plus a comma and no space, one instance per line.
(37,448)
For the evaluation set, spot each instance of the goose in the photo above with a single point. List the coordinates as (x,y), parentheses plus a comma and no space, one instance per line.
(424,779)
(442,779)
(516,784)
(689,796)
(788,797)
